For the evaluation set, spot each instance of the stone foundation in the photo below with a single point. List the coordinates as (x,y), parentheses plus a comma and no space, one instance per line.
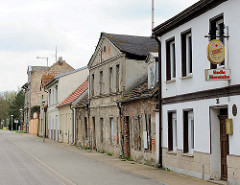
(197,165)
(233,163)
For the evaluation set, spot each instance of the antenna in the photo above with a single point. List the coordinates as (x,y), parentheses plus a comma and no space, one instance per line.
(152,14)
(56,54)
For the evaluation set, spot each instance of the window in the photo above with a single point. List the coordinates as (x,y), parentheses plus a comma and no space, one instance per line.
(92,87)
(186,53)
(101,129)
(217,32)
(86,127)
(117,78)
(56,91)
(50,97)
(110,79)
(104,49)
(188,132)
(136,132)
(171,60)
(172,131)
(151,74)
(118,131)
(111,130)
(146,119)
(101,83)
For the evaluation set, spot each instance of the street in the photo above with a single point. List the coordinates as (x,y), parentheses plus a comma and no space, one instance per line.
(38,163)
(24,159)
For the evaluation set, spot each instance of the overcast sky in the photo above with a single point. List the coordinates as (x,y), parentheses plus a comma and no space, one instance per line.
(31,28)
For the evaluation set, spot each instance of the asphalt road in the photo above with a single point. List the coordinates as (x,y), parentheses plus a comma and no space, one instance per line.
(16,167)
(26,160)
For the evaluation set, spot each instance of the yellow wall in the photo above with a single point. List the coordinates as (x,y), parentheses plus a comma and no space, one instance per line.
(33,126)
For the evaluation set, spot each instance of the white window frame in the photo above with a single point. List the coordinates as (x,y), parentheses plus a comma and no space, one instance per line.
(188,47)
(173,59)
(174,130)
(190,132)
(217,26)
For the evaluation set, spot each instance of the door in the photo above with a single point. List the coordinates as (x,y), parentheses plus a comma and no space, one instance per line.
(94,133)
(224,146)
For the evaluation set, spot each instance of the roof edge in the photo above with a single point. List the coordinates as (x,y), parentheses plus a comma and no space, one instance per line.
(186,15)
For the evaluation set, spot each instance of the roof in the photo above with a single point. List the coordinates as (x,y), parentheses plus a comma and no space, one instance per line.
(78,92)
(140,92)
(186,15)
(70,72)
(82,102)
(56,69)
(133,45)
(65,74)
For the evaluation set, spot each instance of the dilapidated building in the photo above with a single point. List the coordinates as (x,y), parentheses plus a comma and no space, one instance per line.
(117,65)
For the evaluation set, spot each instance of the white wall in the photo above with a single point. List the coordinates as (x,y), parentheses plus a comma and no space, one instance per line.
(200,27)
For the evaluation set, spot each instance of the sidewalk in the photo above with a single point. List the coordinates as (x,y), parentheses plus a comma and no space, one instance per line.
(165,177)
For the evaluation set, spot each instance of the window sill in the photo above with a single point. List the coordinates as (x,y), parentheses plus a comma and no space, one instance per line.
(170,81)
(172,152)
(187,77)
(188,154)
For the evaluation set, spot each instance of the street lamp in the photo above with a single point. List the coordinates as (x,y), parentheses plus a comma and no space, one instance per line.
(43,58)
(11,122)
(21,112)
(43,103)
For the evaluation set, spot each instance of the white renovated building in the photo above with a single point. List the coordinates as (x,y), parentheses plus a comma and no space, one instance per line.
(195,138)
(58,90)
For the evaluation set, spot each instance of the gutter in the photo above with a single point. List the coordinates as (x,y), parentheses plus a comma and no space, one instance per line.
(160,100)
(72,125)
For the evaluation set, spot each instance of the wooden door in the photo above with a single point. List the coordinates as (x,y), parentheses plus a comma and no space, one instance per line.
(224,147)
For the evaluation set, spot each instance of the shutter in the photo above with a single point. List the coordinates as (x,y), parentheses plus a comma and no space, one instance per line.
(184,67)
(145,134)
(185,132)
(170,132)
(168,63)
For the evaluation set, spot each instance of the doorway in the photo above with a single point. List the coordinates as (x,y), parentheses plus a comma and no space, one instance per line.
(94,134)
(219,143)
(224,143)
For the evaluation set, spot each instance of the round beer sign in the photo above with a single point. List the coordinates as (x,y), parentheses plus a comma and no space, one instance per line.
(216,51)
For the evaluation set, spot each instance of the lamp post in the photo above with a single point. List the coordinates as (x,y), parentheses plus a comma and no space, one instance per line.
(43,58)
(11,122)
(43,103)
(21,112)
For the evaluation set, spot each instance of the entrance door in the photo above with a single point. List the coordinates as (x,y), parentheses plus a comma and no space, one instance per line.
(94,133)
(224,146)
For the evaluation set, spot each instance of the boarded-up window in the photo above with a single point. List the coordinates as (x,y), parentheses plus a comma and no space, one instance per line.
(136,132)
(146,120)
(111,130)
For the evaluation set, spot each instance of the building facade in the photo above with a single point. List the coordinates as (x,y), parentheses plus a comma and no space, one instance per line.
(117,65)
(195,105)
(56,69)
(32,91)
(58,90)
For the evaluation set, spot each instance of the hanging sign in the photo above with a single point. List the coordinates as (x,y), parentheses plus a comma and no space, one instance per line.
(216,51)
(217,74)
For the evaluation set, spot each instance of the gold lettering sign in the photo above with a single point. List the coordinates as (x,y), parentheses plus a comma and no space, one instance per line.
(216,51)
